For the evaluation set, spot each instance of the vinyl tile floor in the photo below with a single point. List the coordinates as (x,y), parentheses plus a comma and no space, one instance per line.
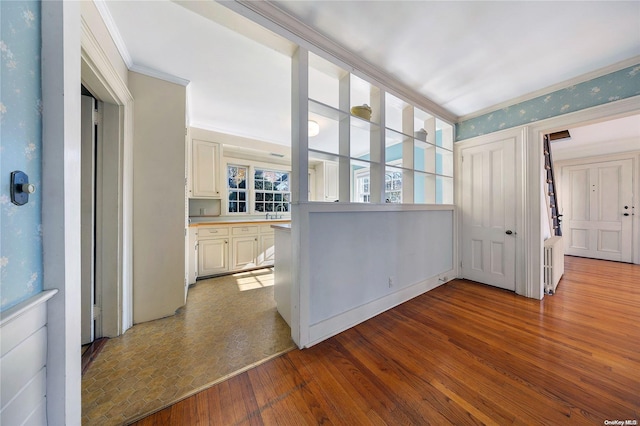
(229,323)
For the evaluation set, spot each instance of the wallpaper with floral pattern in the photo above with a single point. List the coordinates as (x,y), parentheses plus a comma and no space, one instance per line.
(20,149)
(609,88)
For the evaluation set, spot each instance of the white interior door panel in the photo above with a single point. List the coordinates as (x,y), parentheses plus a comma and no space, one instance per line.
(489,213)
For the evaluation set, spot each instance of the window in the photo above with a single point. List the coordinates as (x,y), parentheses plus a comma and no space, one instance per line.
(272,192)
(237,188)
(393,186)
(362,187)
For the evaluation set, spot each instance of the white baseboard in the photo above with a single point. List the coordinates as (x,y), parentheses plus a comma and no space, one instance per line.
(339,323)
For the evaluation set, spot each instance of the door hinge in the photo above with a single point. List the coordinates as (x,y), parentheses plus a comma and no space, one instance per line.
(97,116)
(97,312)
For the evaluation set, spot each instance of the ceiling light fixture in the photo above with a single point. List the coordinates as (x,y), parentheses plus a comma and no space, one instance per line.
(314,128)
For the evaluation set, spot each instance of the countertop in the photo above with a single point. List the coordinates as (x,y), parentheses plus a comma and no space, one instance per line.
(282,226)
(208,221)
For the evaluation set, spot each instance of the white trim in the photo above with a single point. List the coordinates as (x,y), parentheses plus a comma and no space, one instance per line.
(522,190)
(101,76)
(150,72)
(61,95)
(21,308)
(273,18)
(536,132)
(103,9)
(337,324)
(554,88)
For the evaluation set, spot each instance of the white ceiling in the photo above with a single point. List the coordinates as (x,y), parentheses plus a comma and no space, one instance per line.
(465,56)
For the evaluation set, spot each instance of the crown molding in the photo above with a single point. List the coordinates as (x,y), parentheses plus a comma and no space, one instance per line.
(103,9)
(275,19)
(140,69)
(555,87)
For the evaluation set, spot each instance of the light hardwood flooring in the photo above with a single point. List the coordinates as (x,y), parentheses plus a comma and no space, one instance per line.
(463,353)
(229,323)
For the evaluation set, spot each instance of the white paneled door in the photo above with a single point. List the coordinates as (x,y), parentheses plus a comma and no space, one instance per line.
(489,213)
(597,209)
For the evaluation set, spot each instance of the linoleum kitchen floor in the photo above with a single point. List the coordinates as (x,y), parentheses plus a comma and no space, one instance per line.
(229,323)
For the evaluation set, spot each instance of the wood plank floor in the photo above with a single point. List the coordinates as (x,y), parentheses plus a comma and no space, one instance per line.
(463,353)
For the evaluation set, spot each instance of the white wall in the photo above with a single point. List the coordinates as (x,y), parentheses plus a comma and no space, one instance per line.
(158,197)
(349,252)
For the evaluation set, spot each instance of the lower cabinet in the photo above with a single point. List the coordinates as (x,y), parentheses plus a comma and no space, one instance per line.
(266,250)
(225,248)
(213,256)
(245,250)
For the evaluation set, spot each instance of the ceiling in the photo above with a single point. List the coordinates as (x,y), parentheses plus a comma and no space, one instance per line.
(467,57)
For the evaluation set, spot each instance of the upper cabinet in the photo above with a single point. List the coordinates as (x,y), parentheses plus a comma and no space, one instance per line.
(205,167)
(381,148)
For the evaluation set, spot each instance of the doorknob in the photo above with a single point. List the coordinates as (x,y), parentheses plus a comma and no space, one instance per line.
(510,232)
(625,214)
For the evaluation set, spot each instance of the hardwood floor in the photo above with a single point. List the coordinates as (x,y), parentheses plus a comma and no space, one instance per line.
(463,353)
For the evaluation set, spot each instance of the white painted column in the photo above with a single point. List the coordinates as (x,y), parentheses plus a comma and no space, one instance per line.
(61,206)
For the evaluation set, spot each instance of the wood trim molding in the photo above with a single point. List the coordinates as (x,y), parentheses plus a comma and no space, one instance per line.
(150,72)
(110,87)
(103,9)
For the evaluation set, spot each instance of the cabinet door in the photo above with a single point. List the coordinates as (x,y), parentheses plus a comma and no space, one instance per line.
(266,250)
(204,164)
(213,256)
(244,252)
(330,181)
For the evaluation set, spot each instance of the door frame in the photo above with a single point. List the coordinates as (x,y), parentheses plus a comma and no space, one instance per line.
(114,269)
(521,190)
(534,201)
(634,156)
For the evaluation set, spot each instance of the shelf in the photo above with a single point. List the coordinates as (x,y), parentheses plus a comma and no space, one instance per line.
(326,111)
(363,124)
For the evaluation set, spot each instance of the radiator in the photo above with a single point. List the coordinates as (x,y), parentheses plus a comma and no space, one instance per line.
(553,263)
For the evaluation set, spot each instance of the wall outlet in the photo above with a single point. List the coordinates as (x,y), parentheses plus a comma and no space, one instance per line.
(390,282)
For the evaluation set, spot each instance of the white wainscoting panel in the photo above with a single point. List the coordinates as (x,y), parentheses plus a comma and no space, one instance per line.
(23,343)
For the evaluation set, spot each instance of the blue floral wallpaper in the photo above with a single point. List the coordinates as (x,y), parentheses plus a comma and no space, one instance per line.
(609,88)
(20,149)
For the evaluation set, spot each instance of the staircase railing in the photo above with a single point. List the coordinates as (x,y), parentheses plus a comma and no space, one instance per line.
(551,188)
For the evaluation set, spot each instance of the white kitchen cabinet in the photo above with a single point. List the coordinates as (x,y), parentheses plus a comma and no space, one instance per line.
(205,168)
(213,256)
(244,252)
(266,252)
(224,247)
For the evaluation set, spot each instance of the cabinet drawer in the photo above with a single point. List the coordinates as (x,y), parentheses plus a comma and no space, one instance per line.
(212,232)
(244,230)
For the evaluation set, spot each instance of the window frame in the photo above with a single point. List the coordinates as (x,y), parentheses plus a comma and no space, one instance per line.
(250,190)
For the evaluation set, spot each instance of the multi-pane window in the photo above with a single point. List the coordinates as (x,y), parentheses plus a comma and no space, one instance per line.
(363,194)
(272,191)
(237,188)
(393,187)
